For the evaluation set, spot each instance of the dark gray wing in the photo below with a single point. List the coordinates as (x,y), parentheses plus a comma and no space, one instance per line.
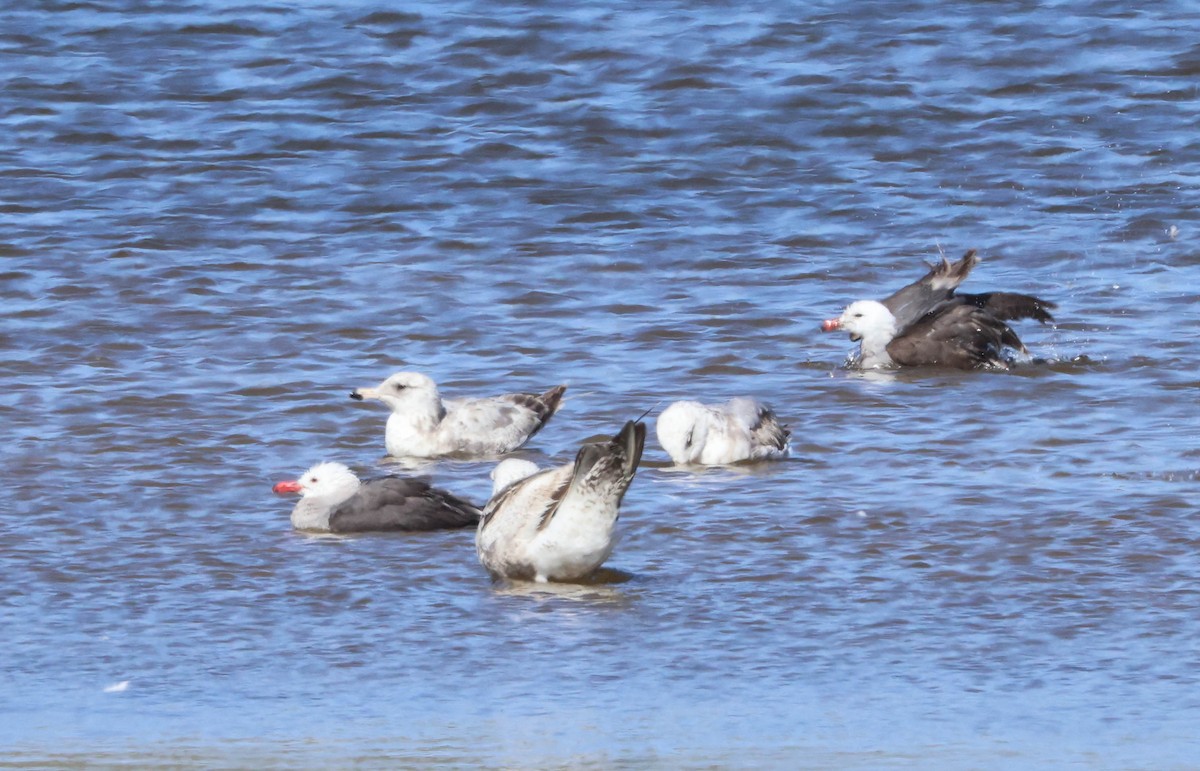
(396,503)
(959,335)
(937,286)
(1010,306)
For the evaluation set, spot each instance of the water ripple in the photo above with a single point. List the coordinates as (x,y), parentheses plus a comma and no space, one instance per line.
(218,220)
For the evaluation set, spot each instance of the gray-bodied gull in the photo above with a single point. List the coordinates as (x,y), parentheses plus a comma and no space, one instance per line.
(333,500)
(423,426)
(559,524)
(742,428)
(927,324)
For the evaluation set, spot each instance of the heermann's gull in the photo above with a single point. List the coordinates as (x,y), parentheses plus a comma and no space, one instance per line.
(333,500)
(422,426)
(560,524)
(927,323)
(710,435)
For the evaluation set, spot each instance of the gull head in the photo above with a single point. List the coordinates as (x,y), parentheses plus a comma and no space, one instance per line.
(400,390)
(682,430)
(510,471)
(865,319)
(325,480)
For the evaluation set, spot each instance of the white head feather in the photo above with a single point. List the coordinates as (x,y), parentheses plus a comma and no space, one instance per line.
(406,391)
(682,429)
(872,324)
(329,481)
(511,470)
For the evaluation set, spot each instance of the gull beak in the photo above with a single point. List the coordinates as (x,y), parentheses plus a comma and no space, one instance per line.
(290,486)
(831,325)
(358,394)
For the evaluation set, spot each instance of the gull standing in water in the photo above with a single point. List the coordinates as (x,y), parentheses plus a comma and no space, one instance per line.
(742,428)
(558,524)
(333,500)
(423,426)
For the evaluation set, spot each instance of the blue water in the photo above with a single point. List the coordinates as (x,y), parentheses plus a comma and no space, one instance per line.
(217,219)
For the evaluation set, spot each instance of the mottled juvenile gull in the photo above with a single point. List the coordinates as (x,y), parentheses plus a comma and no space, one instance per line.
(333,500)
(742,428)
(927,323)
(560,524)
(422,425)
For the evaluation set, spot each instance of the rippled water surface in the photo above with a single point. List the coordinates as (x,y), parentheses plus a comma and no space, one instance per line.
(216,219)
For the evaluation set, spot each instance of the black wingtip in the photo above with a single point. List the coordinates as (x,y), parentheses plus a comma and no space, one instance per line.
(553,398)
(633,437)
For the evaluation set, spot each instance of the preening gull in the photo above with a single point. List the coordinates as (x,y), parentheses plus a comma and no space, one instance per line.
(742,428)
(333,500)
(560,524)
(422,425)
(927,323)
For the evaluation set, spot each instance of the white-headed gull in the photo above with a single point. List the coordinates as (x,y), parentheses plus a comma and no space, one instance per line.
(927,323)
(423,426)
(333,500)
(560,524)
(511,470)
(717,434)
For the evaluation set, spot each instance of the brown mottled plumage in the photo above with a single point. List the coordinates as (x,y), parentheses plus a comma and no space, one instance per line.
(560,524)
(422,425)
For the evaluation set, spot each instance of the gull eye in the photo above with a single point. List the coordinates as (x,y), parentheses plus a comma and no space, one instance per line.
(858,315)
(400,386)
(313,480)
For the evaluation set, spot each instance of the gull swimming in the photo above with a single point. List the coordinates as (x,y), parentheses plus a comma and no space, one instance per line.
(742,428)
(559,524)
(423,426)
(333,500)
(927,323)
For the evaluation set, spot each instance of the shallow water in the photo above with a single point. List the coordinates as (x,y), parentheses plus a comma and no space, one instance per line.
(219,218)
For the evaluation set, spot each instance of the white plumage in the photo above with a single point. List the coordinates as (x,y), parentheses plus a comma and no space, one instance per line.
(509,471)
(872,326)
(711,435)
(422,425)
